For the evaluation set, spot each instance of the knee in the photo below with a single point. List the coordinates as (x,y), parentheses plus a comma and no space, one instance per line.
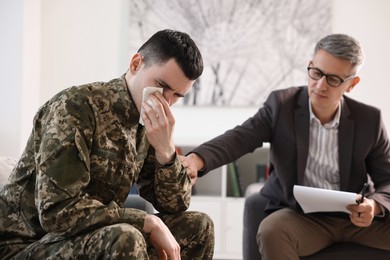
(126,233)
(206,222)
(279,227)
(124,241)
(263,232)
(199,241)
(208,226)
(270,230)
(202,223)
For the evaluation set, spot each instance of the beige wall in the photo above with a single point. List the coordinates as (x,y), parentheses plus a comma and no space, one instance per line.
(368,21)
(10,75)
(68,42)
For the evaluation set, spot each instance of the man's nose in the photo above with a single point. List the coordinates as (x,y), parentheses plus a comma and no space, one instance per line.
(322,83)
(169,97)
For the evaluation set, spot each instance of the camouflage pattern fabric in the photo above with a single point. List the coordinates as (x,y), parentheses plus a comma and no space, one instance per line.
(84,153)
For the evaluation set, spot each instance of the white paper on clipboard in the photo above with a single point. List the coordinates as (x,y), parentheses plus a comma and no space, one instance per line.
(323,200)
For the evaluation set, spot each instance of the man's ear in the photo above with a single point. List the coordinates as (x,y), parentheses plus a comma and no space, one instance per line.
(135,63)
(354,82)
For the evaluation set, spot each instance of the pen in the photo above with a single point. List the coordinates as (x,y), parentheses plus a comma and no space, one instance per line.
(362,192)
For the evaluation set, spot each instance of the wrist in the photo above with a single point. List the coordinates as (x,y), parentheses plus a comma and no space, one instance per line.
(199,162)
(377,209)
(149,223)
(166,158)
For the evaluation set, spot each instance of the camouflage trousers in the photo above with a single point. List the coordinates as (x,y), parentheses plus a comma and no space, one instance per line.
(194,231)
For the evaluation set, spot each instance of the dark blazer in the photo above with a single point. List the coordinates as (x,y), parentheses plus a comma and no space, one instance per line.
(283,121)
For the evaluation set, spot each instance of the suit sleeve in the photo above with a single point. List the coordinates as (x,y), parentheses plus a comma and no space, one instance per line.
(242,139)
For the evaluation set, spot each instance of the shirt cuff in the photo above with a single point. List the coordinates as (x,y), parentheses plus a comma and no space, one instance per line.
(384,211)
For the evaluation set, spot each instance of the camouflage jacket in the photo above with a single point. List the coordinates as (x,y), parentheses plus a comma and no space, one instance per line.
(85,151)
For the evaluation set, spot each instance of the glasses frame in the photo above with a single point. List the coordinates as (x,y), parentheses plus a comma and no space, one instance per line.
(327,75)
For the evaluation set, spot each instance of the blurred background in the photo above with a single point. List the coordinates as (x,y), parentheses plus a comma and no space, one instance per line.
(49,45)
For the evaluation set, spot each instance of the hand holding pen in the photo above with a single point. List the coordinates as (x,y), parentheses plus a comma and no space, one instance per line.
(362,193)
(365,209)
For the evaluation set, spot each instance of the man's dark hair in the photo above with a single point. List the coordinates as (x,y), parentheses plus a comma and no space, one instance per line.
(167,44)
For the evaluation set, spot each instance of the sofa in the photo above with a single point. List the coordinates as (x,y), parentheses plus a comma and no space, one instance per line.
(6,166)
(254,213)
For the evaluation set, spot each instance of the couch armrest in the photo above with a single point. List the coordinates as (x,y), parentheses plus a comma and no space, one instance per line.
(253,188)
(253,214)
(6,166)
(137,202)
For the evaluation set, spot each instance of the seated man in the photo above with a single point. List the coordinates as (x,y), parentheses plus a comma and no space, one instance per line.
(87,148)
(320,138)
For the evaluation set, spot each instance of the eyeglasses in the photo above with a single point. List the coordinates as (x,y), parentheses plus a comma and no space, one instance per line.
(332,80)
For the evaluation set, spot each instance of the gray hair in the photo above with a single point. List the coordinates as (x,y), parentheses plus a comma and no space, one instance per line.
(344,47)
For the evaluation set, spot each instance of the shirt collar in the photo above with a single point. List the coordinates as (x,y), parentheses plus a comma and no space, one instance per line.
(332,124)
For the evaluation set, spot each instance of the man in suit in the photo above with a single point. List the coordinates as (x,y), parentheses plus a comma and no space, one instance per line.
(319,138)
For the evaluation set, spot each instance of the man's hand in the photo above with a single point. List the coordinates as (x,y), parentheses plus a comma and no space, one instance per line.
(161,238)
(362,214)
(159,124)
(192,163)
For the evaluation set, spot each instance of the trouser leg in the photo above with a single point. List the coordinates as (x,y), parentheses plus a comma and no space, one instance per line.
(194,231)
(119,241)
(286,234)
(14,246)
(376,235)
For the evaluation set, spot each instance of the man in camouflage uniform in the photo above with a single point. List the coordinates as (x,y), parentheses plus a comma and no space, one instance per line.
(63,200)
